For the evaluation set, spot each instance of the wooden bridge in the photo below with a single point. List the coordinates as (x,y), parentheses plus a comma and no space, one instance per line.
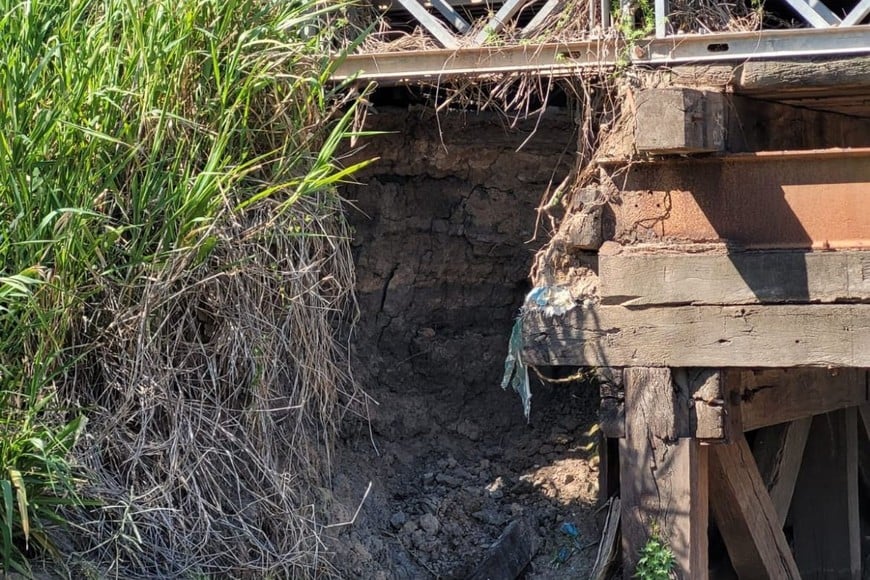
(733,265)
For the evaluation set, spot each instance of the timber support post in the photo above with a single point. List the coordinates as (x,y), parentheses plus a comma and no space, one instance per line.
(663,476)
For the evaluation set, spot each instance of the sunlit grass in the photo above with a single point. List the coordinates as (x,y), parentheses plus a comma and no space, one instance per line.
(141,143)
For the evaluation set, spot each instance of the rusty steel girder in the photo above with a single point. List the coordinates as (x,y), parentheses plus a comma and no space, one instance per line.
(815,199)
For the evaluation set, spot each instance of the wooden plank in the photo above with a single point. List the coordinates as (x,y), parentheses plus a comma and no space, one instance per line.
(607,547)
(745,515)
(443,36)
(663,479)
(771,396)
(779,452)
(824,513)
(646,276)
(701,336)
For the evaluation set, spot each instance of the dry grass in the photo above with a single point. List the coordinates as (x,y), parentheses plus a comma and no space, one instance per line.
(570,22)
(176,269)
(217,402)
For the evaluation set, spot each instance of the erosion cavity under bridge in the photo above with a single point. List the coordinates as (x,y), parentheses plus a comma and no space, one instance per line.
(725,299)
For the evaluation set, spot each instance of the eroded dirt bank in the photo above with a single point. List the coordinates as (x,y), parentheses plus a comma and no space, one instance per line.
(443,251)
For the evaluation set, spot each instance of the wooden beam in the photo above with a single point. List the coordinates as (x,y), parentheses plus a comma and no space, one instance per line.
(712,417)
(771,396)
(779,452)
(745,515)
(679,121)
(443,36)
(701,336)
(775,77)
(705,405)
(663,478)
(611,413)
(824,513)
(709,274)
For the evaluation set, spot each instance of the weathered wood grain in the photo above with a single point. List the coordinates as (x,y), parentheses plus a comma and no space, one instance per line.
(710,410)
(679,120)
(824,513)
(607,548)
(779,452)
(634,277)
(745,515)
(611,414)
(771,396)
(663,479)
(773,77)
(701,336)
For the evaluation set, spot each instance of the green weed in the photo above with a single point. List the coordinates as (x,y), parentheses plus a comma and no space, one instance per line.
(656,560)
(157,158)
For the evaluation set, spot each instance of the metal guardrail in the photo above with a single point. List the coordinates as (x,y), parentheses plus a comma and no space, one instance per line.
(465,52)
(565,59)
(453,30)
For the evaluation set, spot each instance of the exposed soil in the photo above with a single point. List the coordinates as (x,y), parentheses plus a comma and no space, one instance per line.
(443,256)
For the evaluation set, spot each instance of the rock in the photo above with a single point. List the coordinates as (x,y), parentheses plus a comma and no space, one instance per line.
(496,494)
(498,484)
(409,528)
(507,557)
(453,529)
(430,524)
(428,478)
(418,538)
(461,473)
(568,478)
(490,516)
(398,519)
(448,480)
(468,429)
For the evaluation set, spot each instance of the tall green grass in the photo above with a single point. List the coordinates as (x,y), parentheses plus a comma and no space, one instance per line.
(170,243)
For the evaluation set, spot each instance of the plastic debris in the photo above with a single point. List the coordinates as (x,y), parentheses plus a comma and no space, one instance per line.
(553,301)
(516,374)
(570,529)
